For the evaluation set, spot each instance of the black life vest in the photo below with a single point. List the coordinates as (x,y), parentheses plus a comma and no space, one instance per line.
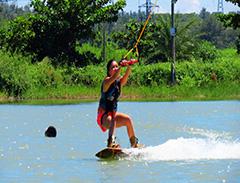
(109,99)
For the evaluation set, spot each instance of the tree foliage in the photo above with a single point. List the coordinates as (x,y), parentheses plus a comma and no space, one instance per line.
(232,20)
(10,11)
(154,45)
(212,30)
(236,2)
(56,27)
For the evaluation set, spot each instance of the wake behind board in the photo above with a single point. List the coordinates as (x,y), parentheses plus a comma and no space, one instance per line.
(111,153)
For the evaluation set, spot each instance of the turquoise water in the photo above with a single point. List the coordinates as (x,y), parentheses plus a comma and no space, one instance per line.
(185,142)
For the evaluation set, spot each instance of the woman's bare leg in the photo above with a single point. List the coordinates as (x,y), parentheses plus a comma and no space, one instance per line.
(110,123)
(119,120)
(112,127)
(125,120)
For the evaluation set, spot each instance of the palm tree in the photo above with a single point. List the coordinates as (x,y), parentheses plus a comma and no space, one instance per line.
(184,41)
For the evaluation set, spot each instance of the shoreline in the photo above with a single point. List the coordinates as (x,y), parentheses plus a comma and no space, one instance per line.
(80,94)
(124,98)
(75,102)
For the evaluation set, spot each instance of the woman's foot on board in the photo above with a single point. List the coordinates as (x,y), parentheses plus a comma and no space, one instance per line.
(112,143)
(134,142)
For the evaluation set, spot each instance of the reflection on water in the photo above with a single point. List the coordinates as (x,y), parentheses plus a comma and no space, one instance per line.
(185,142)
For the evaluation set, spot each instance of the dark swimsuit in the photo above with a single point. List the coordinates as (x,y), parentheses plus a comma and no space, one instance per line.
(108,101)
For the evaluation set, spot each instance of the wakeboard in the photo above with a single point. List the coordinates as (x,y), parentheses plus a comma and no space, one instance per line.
(111,153)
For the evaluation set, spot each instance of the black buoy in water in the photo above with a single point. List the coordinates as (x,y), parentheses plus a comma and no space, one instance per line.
(51,132)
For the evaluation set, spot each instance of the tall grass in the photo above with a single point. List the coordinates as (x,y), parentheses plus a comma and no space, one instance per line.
(76,94)
(63,92)
(217,79)
(225,91)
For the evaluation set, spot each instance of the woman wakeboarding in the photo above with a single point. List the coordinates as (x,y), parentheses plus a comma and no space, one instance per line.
(108,118)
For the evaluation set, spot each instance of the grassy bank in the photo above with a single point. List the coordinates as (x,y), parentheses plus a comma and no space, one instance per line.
(74,94)
(176,93)
(42,83)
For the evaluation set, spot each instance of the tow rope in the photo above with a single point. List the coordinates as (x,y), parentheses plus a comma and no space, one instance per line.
(140,35)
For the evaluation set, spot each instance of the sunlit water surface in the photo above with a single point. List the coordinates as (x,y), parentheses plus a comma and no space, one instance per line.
(184,142)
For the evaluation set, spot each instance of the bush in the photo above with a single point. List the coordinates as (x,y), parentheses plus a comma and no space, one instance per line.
(205,74)
(113,52)
(189,74)
(14,78)
(89,55)
(150,75)
(206,51)
(238,44)
(90,76)
(46,75)
(17,74)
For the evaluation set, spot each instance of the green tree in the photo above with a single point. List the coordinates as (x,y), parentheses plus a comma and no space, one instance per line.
(236,2)
(184,38)
(212,30)
(56,27)
(154,45)
(11,11)
(127,37)
(232,20)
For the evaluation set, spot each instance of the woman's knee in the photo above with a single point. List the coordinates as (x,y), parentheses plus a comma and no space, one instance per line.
(109,119)
(129,121)
(106,121)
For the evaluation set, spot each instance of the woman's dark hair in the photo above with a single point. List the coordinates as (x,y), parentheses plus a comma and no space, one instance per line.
(108,66)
